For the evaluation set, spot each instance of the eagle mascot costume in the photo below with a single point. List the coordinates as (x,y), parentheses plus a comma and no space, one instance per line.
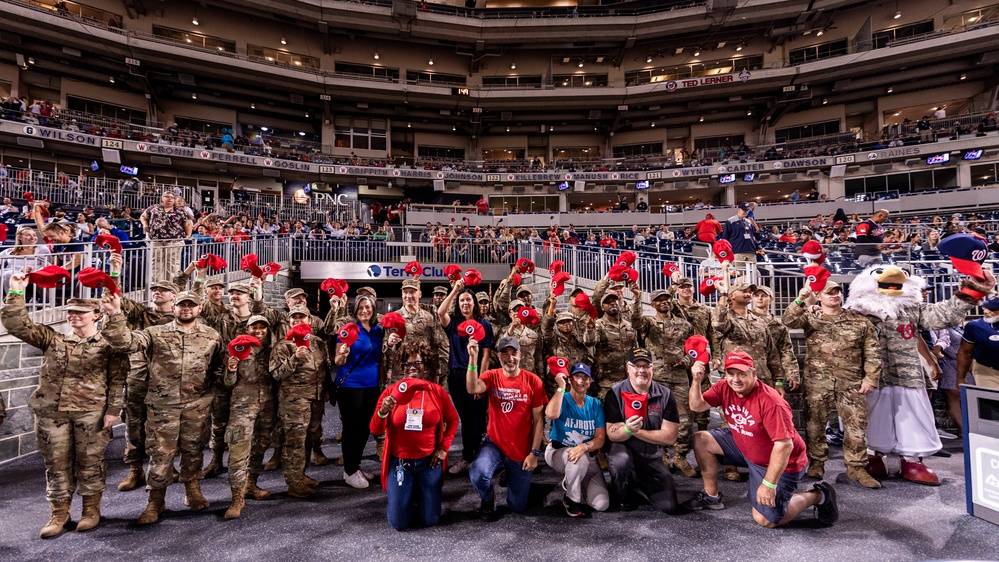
(901,429)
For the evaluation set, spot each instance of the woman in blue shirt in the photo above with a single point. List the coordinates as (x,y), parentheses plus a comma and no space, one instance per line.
(359,372)
(578,431)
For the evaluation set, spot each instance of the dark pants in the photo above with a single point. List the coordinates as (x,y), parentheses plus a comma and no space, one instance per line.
(472,413)
(357,405)
(417,493)
(648,473)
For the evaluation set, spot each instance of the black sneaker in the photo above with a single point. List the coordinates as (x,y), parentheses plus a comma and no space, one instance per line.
(702,500)
(487,510)
(828,513)
(573,509)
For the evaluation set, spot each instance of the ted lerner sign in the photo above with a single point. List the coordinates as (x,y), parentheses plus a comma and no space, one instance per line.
(59,135)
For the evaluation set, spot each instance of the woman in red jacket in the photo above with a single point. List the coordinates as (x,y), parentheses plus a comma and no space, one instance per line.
(419,422)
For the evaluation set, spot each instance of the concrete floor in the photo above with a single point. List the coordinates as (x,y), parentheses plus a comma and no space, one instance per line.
(902,521)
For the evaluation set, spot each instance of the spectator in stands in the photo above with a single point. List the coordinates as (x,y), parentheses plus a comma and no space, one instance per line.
(84,230)
(932,239)
(26,253)
(925,129)
(482,205)
(870,237)
(8,204)
(708,229)
(740,234)
(202,235)
(622,202)
(795,196)
(642,205)
(789,237)
(166,225)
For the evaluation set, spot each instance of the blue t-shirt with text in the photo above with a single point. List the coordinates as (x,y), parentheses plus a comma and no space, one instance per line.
(576,425)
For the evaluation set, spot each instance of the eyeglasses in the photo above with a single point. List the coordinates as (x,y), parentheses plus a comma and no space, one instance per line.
(187,304)
(412,365)
(645,367)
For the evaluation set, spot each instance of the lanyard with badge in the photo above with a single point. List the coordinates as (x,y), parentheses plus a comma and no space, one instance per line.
(414,416)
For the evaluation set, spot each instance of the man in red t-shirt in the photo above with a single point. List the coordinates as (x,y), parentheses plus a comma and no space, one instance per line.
(761,436)
(482,205)
(513,436)
(708,229)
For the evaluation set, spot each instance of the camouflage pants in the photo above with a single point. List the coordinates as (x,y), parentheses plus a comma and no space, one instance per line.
(248,434)
(302,419)
(135,419)
(820,396)
(172,431)
(72,445)
(685,437)
(220,419)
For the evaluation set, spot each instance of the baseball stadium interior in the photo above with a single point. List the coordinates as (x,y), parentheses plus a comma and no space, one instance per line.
(366,151)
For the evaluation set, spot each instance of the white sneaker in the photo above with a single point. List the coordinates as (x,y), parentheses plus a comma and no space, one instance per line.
(356,480)
(946,434)
(458,467)
(367,475)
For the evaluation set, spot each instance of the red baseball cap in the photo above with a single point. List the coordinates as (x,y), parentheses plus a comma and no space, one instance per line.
(620,272)
(634,404)
(555,267)
(405,390)
(347,334)
(414,268)
(516,280)
(525,265)
(472,277)
(558,282)
(817,276)
(108,242)
(241,346)
(528,316)
(249,265)
(49,277)
(696,347)
(558,365)
(472,329)
(452,272)
(300,334)
(813,251)
(626,259)
(708,286)
(212,261)
(394,322)
(271,268)
(722,249)
(94,278)
(335,287)
(738,360)
(582,300)
(670,268)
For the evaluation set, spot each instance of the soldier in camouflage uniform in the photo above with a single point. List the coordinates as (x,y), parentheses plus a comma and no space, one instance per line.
(762,299)
(664,334)
(485,306)
(251,416)
(612,337)
(77,401)
(139,317)
(559,339)
(301,372)
(843,365)
(444,349)
(605,286)
(185,359)
(501,302)
(421,324)
(699,316)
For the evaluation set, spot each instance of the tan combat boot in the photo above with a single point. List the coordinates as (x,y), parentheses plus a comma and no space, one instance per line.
(155,507)
(298,489)
(680,463)
(318,458)
(732,473)
(214,467)
(254,491)
(816,469)
(134,479)
(308,481)
(91,513)
(60,516)
(195,500)
(236,507)
(862,477)
(275,462)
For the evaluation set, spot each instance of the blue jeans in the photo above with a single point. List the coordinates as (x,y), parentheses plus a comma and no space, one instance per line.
(518,480)
(419,493)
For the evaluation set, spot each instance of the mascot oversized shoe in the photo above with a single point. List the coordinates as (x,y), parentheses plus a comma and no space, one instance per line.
(916,471)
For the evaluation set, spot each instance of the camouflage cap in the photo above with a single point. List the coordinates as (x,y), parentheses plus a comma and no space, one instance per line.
(411,284)
(187,296)
(751,287)
(294,293)
(481,296)
(608,296)
(765,289)
(441,290)
(683,281)
(564,316)
(659,293)
(831,286)
(83,305)
(524,289)
(616,285)
(242,288)
(217,282)
(368,290)
(516,303)
(173,288)
(257,318)
(299,310)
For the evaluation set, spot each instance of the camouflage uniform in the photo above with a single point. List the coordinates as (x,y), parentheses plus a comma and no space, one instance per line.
(300,404)
(139,317)
(782,339)
(699,316)
(612,341)
(183,369)
(79,381)
(841,353)
(749,333)
(556,344)
(251,415)
(665,337)
(420,325)
(444,346)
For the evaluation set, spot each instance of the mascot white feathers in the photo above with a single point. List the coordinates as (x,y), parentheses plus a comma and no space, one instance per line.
(901,419)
